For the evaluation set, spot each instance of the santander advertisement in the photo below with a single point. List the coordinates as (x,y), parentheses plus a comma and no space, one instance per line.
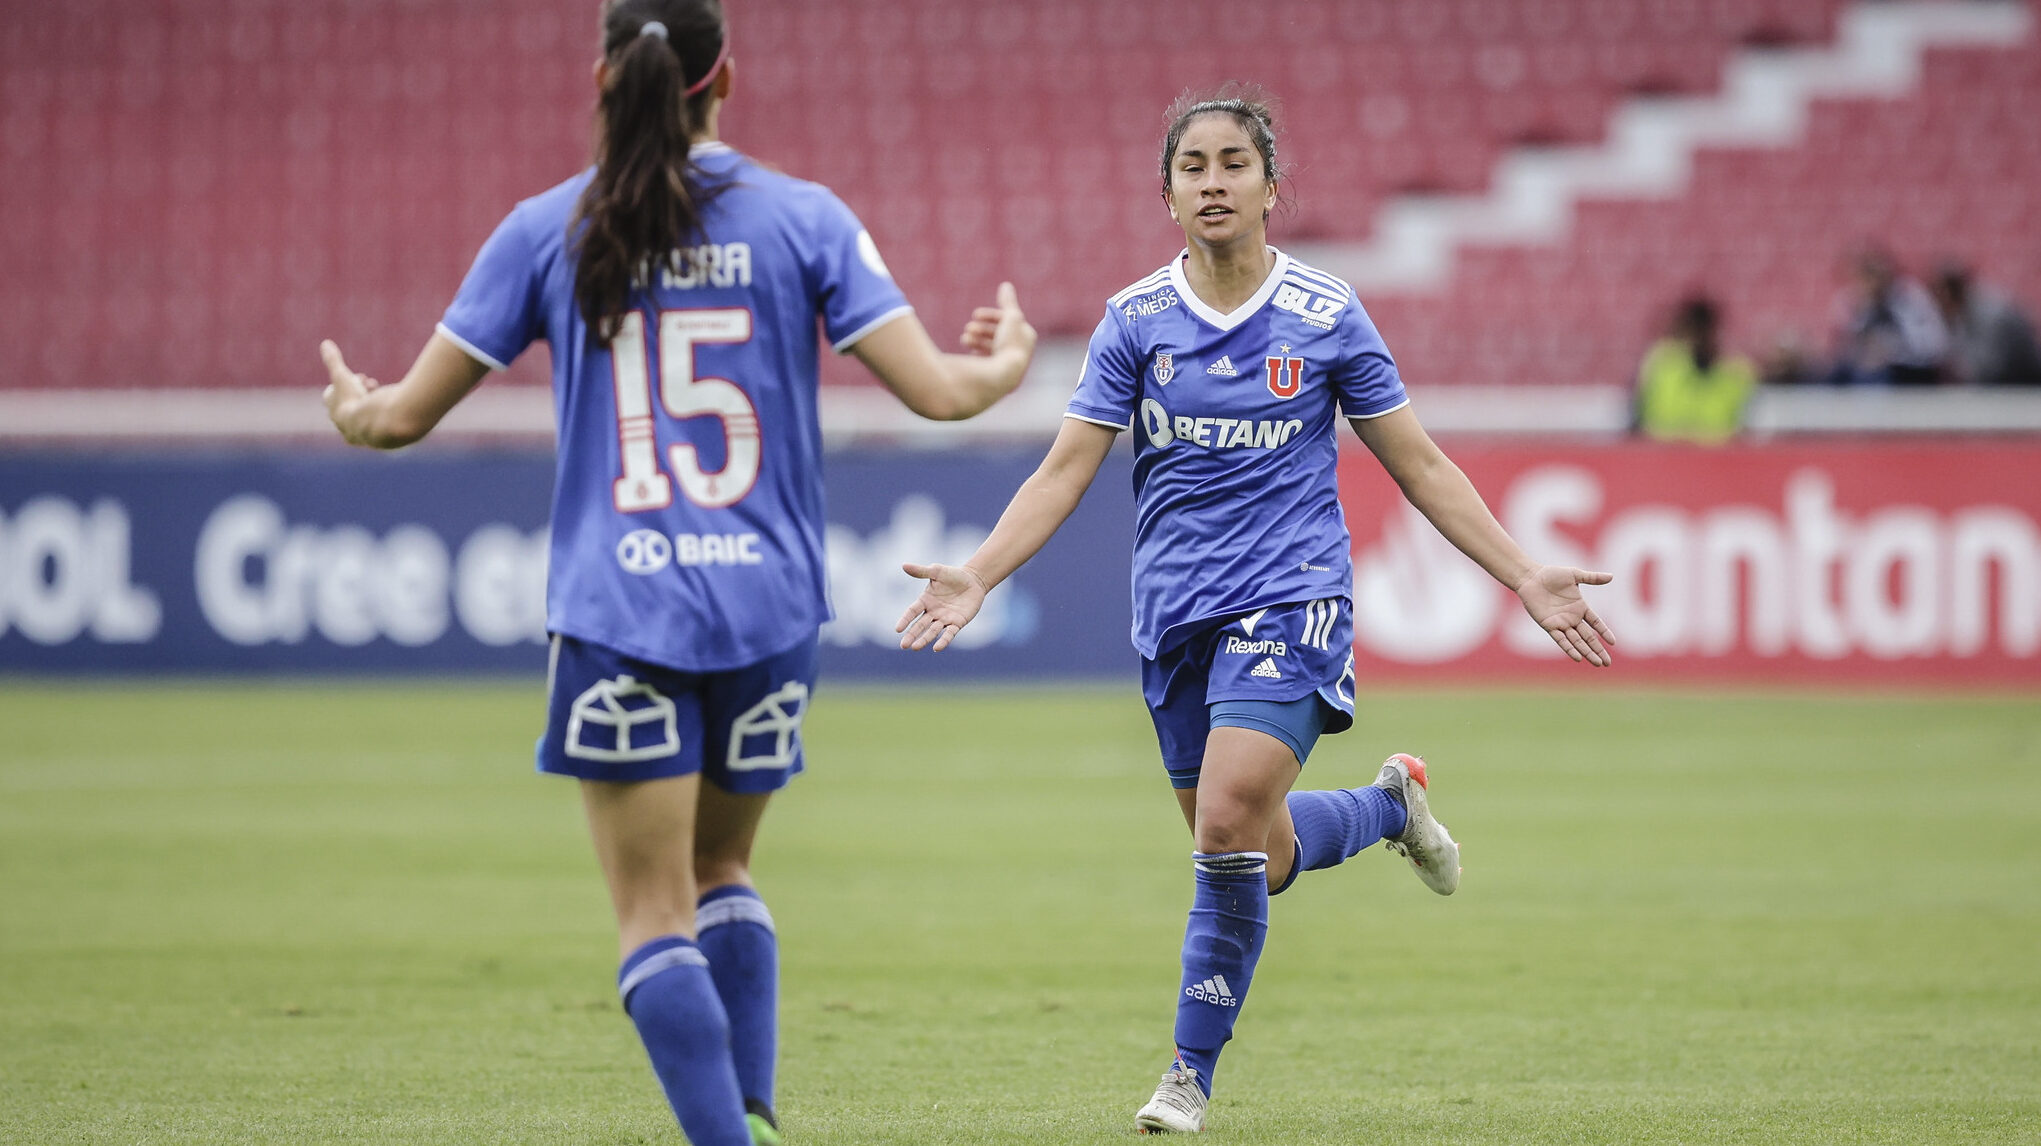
(1908,563)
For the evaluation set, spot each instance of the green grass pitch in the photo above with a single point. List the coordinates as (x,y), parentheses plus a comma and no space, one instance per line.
(342,913)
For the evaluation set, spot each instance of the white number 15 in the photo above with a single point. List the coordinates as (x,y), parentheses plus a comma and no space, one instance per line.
(683,395)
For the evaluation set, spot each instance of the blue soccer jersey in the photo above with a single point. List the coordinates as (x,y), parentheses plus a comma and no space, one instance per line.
(687,508)
(1235,455)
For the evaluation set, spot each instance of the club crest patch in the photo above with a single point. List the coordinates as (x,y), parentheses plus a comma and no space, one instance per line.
(1165,367)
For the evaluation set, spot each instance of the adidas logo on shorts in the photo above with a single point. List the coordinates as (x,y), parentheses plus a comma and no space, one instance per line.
(1214,991)
(1267,669)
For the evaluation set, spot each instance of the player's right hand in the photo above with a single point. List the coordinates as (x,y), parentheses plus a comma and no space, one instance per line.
(953,596)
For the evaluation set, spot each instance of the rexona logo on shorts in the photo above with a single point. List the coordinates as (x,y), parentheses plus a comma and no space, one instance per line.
(1215,433)
(645,552)
(1256,648)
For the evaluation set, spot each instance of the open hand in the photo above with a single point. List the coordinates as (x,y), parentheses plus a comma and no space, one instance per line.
(953,596)
(1551,594)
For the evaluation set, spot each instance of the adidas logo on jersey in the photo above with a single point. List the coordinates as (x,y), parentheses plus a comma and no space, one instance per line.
(1223,367)
(1267,669)
(1213,990)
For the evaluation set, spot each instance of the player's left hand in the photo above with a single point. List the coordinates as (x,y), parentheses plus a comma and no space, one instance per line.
(346,390)
(1551,594)
(1001,327)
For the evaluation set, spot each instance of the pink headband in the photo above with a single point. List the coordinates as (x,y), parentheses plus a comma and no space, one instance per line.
(709,76)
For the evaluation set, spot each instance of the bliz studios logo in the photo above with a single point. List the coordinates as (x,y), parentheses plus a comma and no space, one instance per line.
(1315,309)
(1214,991)
(1223,368)
(1165,367)
(644,552)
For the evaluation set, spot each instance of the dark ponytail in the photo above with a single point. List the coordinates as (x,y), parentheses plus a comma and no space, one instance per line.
(647,195)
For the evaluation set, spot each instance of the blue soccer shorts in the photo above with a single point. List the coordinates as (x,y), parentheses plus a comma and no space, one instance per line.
(1278,654)
(614,717)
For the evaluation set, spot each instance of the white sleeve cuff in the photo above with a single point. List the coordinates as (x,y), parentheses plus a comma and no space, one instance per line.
(1098,422)
(1381,413)
(470,349)
(855,336)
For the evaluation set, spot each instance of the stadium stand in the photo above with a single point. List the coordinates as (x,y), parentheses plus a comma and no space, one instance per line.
(215,186)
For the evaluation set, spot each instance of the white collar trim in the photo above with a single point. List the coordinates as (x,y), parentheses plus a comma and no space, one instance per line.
(708,147)
(1246,309)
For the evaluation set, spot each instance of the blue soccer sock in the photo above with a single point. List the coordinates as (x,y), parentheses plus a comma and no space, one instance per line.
(744,958)
(1222,943)
(667,992)
(1334,826)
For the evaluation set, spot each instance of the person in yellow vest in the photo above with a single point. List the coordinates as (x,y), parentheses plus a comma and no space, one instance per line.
(1687,389)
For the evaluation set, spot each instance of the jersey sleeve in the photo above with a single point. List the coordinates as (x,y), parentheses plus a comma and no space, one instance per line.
(855,292)
(1105,390)
(496,313)
(1365,379)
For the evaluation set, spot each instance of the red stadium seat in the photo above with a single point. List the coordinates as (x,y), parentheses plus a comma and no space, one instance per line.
(227,183)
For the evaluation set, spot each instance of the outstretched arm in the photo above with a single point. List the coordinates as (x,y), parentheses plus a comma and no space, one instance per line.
(368,413)
(1041,505)
(951,387)
(1550,593)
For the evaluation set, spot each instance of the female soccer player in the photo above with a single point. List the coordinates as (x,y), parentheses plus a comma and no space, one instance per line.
(1228,364)
(678,284)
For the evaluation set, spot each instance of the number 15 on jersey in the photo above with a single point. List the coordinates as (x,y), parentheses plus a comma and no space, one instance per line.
(684,395)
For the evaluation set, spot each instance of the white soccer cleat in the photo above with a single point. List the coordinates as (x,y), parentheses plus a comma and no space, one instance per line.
(1178,1106)
(1425,842)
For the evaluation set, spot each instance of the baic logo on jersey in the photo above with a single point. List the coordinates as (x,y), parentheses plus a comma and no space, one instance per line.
(644,552)
(1317,309)
(1165,367)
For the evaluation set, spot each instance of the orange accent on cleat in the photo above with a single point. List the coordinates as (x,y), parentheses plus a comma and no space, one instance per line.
(1416,766)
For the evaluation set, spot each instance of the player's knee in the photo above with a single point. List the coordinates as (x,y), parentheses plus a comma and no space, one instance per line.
(714,870)
(1226,824)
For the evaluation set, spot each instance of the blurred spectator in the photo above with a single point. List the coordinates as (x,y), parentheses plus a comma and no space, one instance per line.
(1789,361)
(1888,330)
(1687,389)
(1990,342)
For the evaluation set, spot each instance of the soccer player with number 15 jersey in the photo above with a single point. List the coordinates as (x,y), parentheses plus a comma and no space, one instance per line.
(679,284)
(1231,366)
